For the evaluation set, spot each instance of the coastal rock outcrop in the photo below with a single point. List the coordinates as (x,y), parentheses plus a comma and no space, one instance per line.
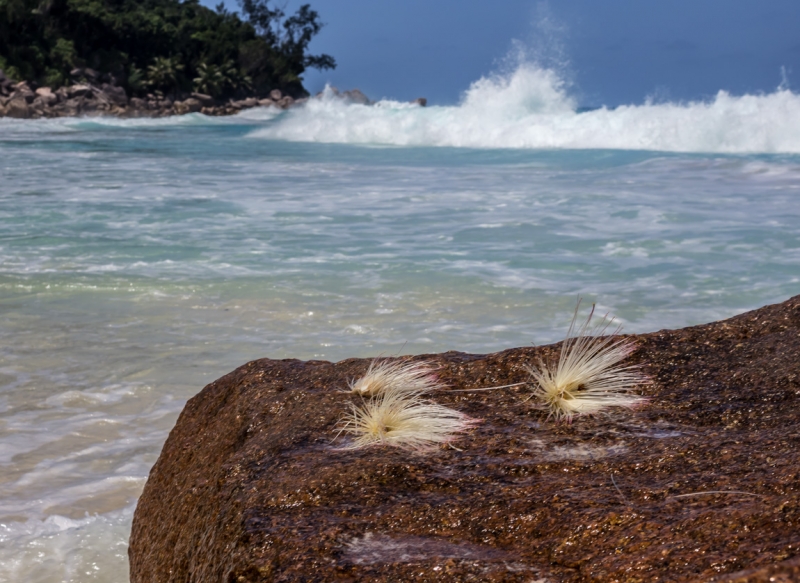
(92,96)
(701,484)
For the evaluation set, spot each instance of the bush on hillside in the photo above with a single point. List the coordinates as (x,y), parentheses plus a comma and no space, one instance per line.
(160,45)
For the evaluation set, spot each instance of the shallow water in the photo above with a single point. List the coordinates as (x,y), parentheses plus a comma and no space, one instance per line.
(139,260)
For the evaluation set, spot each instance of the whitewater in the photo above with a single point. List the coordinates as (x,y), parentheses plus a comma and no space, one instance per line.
(531,108)
(142,259)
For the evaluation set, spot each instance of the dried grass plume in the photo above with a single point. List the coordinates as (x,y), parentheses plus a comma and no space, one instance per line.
(588,376)
(384,376)
(393,411)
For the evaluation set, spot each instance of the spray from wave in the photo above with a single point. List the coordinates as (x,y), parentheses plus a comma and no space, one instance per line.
(530,107)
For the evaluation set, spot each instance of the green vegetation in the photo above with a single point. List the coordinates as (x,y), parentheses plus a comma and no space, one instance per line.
(160,45)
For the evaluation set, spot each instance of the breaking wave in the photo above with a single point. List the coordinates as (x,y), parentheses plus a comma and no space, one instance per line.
(531,108)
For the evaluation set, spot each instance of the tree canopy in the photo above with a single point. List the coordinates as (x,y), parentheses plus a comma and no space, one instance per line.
(161,45)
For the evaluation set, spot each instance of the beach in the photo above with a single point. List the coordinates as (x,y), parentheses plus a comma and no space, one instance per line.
(141,259)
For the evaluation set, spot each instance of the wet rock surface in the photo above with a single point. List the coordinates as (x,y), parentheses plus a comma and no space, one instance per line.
(701,484)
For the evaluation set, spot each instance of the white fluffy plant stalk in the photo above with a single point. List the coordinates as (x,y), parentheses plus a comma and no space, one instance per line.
(393,412)
(588,377)
(410,378)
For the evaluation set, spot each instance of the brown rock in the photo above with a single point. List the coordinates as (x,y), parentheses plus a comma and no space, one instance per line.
(266,102)
(244,103)
(78,91)
(783,572)
(190,105)
(18,107)
(275,95)
(356,96)
(206,100)
(45,97)
(23,91)
(421,101)
(699,485)
(114,95)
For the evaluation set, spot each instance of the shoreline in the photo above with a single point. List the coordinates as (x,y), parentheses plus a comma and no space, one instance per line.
(22,101)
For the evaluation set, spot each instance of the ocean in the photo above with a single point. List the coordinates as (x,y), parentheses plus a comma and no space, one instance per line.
(142,259)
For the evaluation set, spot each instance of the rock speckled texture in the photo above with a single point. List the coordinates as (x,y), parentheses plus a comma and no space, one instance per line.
(251,485)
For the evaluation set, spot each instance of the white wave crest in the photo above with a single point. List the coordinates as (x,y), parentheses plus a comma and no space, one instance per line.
(530,108)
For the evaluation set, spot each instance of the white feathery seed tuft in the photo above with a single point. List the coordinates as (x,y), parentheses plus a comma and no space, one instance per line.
(588,377)
(382,376)
(393,411)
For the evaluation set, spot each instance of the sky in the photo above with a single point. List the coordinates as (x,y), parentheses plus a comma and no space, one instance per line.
(612,52)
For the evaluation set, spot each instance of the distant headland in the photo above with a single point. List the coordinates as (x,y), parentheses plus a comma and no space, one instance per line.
(153,58)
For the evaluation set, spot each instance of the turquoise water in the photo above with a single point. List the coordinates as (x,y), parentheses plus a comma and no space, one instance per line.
(139,260)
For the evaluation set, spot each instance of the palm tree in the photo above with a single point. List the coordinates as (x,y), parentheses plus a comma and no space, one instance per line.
(164,72)
(235,78)
(215,80)
(210,80)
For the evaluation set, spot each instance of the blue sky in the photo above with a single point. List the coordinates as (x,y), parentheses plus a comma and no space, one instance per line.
(613,52)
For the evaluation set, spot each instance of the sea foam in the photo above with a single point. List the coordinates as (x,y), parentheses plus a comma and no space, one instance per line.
(531,107)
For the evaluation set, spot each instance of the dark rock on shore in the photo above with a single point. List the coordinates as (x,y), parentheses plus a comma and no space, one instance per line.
(702,484)
(91,97)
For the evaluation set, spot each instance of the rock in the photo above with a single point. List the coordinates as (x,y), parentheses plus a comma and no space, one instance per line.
(206,100)
(44,98)
(699,485)
(6,85)
(138,103)
(39,104)
(74,105)
(114,94)
(266,102)
(275,95)
(2,109)
(783,572)
(285,102)
(355,96)
(421,101)
(190,105)
(23,91)
(79,90)
(18,107)
(92,105)
(244,103)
